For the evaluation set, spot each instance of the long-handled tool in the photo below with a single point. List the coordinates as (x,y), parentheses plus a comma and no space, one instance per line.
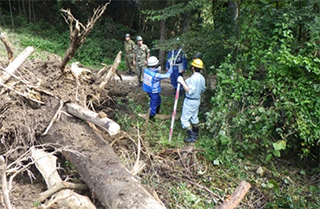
(174,111)
(173,61)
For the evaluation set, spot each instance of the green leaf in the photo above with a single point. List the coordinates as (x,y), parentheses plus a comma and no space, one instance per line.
(261,109)
(269,157)
(280,145)
(273,184)
(276,153)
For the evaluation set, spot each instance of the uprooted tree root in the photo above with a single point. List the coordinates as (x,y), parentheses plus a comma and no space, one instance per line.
(23,121)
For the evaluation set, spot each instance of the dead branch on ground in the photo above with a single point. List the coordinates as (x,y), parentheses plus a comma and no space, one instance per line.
(236,197)
(21,94)
(78,36)
(191,181)
(139,164)
(54,118)
(5,191)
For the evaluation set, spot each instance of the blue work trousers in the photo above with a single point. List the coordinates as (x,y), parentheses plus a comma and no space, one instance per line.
(155,101)
(174,76)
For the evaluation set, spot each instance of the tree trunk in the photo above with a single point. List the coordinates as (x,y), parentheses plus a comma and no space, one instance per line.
(108,179)
(186,22)
(107,124)
(13,66)
(74,45)
(236,197)
(162,39)
(46,164)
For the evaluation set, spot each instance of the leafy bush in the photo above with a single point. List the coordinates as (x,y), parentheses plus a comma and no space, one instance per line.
(267,92)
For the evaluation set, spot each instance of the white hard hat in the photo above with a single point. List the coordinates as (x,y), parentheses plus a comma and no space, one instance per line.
(152,61)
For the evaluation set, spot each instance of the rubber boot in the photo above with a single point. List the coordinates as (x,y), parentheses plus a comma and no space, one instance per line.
(195,130)
(158,109)
(192,137)
(151,118)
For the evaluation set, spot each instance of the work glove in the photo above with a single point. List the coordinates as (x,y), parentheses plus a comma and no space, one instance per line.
(180,79)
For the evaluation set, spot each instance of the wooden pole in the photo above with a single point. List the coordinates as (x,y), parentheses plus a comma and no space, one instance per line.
(236,197)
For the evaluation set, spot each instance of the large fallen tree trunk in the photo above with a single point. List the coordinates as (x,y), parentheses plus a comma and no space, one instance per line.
(13,66)
(99,167)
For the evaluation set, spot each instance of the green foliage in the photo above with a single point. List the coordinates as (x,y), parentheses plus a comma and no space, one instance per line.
(266,98)
(174,10)
(98,48)
(183,197)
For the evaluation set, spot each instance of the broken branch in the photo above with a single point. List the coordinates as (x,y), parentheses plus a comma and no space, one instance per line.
(111,71)
(13,66)
(21,94)
(236,197)
(8,46)
(4,186)
(107,124)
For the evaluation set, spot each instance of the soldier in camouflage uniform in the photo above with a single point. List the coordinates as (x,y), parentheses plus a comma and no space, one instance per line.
(141,54)
(128,47)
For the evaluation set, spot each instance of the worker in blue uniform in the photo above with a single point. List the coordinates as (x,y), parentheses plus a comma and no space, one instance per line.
(151,84)
(177,59)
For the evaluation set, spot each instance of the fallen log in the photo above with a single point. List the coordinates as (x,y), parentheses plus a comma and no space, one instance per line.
(236,197)
(107,124)
(13,66)
(8,46)
(46,164)
(108,179)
